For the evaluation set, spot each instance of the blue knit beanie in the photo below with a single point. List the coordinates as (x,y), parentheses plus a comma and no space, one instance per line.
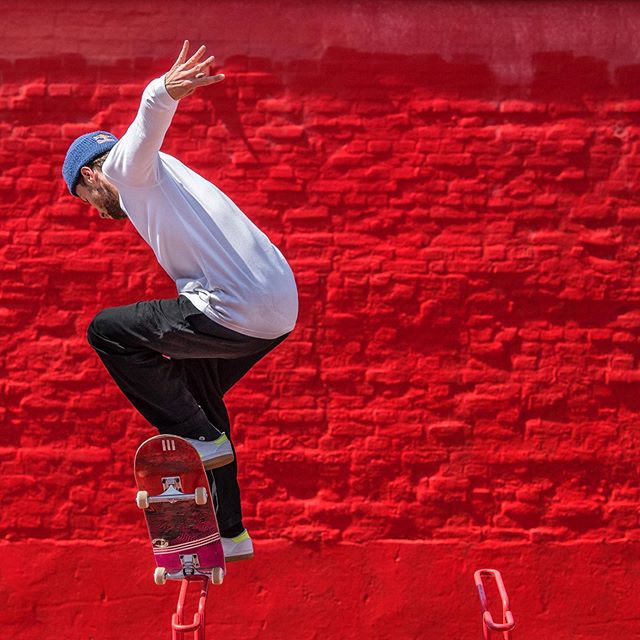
(82,152)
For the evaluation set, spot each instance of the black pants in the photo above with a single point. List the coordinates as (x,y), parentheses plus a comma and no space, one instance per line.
(183,393)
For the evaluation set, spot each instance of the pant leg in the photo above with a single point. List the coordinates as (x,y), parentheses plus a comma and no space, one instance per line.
(203,381)
(131,342)
(209,380)
(231,371)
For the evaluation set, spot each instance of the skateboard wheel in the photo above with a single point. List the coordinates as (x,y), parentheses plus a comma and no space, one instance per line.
(142,499)
(201,495)
(217,575)
(160,575)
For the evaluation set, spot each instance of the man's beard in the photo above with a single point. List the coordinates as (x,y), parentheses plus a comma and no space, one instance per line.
(111,204)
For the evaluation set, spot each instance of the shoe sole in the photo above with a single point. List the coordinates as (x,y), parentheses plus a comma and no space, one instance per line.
(246,556)
(220,461)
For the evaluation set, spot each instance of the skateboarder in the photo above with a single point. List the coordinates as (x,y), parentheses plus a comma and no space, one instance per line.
(237,299)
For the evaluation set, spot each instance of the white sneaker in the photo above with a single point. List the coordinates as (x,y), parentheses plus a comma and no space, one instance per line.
(238,548)
(213,453)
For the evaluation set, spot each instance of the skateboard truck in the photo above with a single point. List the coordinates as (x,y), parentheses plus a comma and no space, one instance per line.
(178,625)
(190,569)
(172,493)
(488,624)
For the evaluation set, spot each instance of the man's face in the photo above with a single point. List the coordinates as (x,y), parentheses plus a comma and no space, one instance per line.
(96,190)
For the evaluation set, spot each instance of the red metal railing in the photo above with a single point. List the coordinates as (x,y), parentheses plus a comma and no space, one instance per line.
(178,625)
(488,624)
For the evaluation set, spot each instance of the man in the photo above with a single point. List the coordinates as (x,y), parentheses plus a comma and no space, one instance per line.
(237,299)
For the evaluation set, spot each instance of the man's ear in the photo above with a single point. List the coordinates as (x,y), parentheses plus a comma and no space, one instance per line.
(87,174)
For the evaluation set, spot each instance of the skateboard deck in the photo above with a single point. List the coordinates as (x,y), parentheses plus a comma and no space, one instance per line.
(174,494)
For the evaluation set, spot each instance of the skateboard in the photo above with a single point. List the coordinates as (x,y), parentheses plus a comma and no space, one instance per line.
(174,494)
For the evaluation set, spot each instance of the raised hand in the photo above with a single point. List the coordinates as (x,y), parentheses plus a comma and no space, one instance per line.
(188,75)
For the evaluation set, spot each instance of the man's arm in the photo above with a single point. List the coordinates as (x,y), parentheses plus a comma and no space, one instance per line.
(134,159)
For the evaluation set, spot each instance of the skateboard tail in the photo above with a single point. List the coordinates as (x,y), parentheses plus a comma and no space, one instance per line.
(208,552)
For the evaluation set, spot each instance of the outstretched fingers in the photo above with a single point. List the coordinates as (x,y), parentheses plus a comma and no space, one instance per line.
(195,57)
(202,68)
(187,75)
(182,58)
(183,54)
(203,81)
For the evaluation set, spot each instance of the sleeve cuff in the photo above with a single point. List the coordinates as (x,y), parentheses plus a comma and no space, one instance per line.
(159,92)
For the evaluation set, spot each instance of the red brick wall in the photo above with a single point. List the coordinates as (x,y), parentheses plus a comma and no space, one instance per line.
(456,189)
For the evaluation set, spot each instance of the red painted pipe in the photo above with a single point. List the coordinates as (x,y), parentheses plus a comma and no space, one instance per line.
(488,625)
(178,626)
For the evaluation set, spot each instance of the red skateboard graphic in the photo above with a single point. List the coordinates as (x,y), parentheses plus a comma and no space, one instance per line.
(174,493)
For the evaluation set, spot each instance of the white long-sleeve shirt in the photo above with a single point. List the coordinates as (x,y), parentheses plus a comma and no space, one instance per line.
(217,257)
